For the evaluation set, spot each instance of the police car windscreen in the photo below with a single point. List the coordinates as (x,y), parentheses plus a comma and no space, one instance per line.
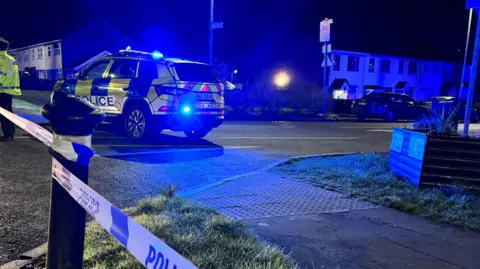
(196,73)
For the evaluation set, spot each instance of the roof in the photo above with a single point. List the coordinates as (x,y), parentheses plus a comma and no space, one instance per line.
(401,84)
(338,83)
(374,87)
(35,45)
(82,63)
(177,60)
(383,56)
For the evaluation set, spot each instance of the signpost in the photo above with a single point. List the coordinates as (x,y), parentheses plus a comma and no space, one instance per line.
(326,49)
(473,4)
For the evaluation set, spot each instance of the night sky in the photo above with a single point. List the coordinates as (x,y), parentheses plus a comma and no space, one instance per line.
(431,29)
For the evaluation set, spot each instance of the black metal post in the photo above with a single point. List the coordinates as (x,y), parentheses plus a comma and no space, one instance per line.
(73,120)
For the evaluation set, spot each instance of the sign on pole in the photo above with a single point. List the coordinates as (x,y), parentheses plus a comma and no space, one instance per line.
(325,31)
(473,3)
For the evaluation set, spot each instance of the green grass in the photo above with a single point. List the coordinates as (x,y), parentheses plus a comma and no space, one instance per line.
(200,234)
(368,177)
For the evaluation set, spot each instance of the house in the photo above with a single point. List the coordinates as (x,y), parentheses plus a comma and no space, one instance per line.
(367,72)
(60,58)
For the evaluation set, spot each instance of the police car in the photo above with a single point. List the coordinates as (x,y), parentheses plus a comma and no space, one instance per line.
(145,93)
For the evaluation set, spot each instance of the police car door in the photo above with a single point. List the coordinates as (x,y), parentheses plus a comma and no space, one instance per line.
(120,76)
(92,84)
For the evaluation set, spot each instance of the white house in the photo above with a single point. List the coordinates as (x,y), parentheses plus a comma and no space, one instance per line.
(365,72)
(60,58)
(45,57)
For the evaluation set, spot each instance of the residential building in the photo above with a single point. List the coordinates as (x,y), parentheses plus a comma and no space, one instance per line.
(62,57)
(356,74)
(45,57)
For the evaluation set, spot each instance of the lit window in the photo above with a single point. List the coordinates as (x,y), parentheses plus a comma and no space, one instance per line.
(340,94)
(401,66)
(353,63)
(40,53)
(385,66)
(336,62)
(371,65)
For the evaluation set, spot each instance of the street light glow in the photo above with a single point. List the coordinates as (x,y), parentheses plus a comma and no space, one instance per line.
(281,79)
(235,71)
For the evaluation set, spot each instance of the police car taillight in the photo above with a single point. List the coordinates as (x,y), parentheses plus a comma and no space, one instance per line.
(170,91)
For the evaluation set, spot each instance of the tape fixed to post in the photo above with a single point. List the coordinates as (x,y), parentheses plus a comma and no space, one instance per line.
(147,248)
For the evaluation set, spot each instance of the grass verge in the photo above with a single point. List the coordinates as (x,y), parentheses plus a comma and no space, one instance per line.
(200,234)
(368,177)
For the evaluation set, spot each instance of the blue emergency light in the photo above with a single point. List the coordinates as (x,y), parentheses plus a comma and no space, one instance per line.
(157,55)
(186,110)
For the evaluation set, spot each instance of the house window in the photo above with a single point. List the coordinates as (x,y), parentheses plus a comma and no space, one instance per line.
(25,56)
(436,69)
(412,68)
(371,65)
(353,63)
(40,53)
(401,66)
(385,66)
(425,69)
(336,62)
(33,54)
(49,51)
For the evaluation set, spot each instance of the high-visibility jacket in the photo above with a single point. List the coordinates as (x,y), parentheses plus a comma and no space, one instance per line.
(9,77)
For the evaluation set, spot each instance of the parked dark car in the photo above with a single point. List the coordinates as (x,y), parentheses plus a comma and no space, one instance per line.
(448,100)
(388,106)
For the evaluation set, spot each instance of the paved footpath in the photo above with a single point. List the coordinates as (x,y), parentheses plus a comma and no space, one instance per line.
(325,229)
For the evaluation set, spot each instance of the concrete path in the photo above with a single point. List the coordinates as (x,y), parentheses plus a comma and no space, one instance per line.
(325,229)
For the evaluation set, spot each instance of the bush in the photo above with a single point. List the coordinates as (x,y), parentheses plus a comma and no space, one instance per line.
(440,121)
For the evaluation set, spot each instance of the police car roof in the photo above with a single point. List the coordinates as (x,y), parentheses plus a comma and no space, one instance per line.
(149,56)
(177,60)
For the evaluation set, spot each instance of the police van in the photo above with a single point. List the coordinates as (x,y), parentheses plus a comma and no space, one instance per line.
(145,93)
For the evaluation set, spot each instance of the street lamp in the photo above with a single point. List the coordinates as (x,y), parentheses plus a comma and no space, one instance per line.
(234,72)
(281,79)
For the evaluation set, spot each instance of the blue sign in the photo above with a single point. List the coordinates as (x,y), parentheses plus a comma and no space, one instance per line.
(473,3)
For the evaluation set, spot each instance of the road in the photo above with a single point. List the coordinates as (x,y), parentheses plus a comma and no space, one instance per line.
(124,172)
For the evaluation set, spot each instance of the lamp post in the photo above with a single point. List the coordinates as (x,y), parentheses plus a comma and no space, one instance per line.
(466,52)
(234,72)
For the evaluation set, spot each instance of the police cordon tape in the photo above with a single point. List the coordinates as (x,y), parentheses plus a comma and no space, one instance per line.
(147,248)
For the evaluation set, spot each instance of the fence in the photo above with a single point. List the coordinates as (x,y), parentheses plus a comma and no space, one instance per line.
(70,148)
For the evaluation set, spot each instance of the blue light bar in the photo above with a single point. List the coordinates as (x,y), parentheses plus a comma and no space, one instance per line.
(157,55)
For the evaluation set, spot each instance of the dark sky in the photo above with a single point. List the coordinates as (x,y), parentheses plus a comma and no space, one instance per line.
(432,29)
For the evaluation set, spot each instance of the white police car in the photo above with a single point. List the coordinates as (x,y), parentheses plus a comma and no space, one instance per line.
(145,93)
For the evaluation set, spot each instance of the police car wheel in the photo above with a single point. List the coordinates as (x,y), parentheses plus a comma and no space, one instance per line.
(197,133)
(136,123)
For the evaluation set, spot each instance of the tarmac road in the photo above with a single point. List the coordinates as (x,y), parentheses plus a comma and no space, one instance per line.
(124,171)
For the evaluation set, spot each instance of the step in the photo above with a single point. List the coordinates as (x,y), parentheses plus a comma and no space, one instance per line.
(470,172)
(454,143)
(455,153)
(434,179)
(452,161)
